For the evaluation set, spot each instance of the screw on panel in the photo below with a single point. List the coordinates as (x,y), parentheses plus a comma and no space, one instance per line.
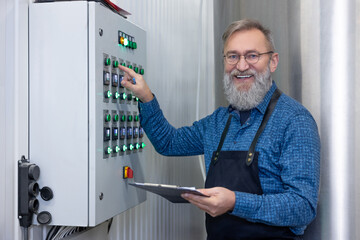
(100,31)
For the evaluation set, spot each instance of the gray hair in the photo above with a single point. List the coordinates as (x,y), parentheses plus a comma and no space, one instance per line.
(248,24)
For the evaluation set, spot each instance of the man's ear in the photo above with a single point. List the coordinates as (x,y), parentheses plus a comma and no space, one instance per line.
(274,62)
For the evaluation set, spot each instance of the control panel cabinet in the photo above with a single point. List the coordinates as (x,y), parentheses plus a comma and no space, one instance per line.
(85,132)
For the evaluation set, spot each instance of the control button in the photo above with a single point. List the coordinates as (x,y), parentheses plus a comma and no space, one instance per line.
(107,94)
(143,145)
(136,118)
(141,132)
(134,45)
(116,95)
(136,132)
(116,149)
(116,118)
(136,69)
(123,96)
(123,64)
(108,150)
(130,118)
(115,133)
(122,133)
(107,118)
(136,99)
(120,80)
(128,172)
(106,78)
(129,132)
(131,147)
(121,41)
(123,118)
(129,97)
(137,145)
(106,134)
(142,71)
(130,66)
(107,61)
(115,80)
(123,148)
(115,63)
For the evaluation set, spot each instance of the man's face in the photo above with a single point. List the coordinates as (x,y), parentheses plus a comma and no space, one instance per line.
(246,84)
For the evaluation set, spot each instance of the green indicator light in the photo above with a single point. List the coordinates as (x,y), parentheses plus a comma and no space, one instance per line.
(116,95)
(136,69)
(108,94)
(108,150)
(130,66)
(134,45)
(136,118)
(108,118)
(123,118)
(126,42)
(137,146)
(136,99)
(123,96)
(131,147)
(142,71)
(123,64)
(116,63)
(143,145)
(130,118)
(116,118)
(107,61)
(130,44)
(124,148)
(116,148)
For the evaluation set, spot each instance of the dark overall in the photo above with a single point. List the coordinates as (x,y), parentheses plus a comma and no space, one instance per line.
(238,171)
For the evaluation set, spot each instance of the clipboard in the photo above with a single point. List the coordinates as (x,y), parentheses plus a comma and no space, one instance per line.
(169,192)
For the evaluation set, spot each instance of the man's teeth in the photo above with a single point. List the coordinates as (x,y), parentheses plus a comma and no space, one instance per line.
(243,76)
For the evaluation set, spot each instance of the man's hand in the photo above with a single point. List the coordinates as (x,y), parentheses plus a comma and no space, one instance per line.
(136,84)
(221,200)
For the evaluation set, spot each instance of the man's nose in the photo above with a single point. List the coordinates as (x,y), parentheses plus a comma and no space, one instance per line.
(242,64)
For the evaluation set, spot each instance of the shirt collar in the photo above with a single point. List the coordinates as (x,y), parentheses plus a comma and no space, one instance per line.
(264,103)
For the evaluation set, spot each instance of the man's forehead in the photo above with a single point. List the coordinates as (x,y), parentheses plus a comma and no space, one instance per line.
(246,40)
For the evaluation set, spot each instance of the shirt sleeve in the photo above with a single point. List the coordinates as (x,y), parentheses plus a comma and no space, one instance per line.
(166,139)
(299,159)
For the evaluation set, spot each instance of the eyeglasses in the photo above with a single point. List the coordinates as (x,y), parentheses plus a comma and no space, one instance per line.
(250,58)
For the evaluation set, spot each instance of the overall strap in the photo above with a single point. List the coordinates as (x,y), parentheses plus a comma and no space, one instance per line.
(222,139)
(274,98)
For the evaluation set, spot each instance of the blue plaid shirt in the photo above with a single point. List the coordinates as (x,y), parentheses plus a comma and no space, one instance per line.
(289,159)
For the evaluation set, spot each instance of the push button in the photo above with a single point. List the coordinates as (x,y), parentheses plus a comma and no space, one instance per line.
(128,172)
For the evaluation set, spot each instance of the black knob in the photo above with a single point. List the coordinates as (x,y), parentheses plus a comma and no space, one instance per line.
(46,193)
(44,217)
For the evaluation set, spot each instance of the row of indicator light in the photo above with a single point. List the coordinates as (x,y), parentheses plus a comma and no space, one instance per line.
(122,96)
(116,64)
(127,41)
(124,148)
(123,118)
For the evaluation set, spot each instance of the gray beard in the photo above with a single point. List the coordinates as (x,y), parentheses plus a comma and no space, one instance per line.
(246,100)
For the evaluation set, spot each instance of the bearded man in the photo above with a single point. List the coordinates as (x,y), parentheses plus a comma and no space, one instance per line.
(262,153)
